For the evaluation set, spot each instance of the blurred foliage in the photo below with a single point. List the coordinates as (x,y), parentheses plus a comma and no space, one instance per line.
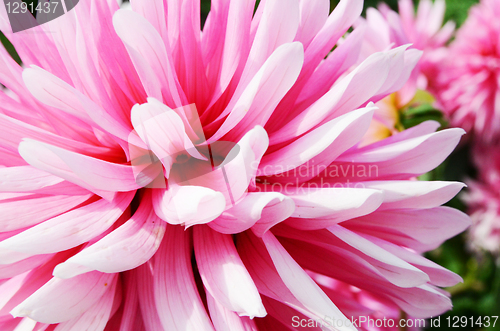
(479,294)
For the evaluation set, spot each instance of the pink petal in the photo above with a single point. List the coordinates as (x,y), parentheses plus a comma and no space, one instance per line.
(93,174)
(300,284)
(320,208)
(150,57)
(30,209)
(177,309)
(125,248)
(323,144)
(313,15)
(415,194)
(226,320)
(396,270)
(348,93)
(224,275)
(422,230)
(188,205)
(54,92)
(95,317)
(257,102)
(65,231)
(60,300)
(257,210)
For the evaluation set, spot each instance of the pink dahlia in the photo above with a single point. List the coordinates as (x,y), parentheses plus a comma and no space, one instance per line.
(483,199)
(155,177)
(468,82)
(422,31)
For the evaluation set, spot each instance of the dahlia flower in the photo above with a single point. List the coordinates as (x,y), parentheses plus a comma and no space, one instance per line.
(424,30)
(425,35)
(155,177)
(467,84)
(483,199)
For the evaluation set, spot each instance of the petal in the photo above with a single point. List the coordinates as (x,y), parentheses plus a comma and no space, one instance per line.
(30,209)
(422,230)
(320,208)
(177,309)
(323,144)
(91,173)
(300,284)
(415,194)
(125,248)
(224,275)
(256,103)
(258,210)
(188,205)
(226,320)
(95,317)
(60,300)
(66,230)
(313,15)
(410,157)
(150,57)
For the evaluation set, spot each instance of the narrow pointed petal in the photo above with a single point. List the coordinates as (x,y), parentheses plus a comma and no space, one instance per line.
(323,144)
(256,210)
(60,300)
(188,205)
(300,284)
(96,317)
(224,275)
(80,169)
(65,231)
(320,208)
(178,309)
(227,320)
(127,247)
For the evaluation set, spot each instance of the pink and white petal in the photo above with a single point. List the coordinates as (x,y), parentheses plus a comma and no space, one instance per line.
(234,175)
(184,309)
(396,270)
(414,194)
(281,72)
(25,179)
(91,173)
(313,15)
(95,317)
(223,273)
(348,93)
(54,92)
(125,248)
(333,205)
(269,283)
(227,320)
(163,132)
(258,210)
(323,144)
(60,300)
(278,25)
(301,284)
(20,267)
(30,209)
(263,92)
(409,158)
(188,205)
(65,231)
(153,63)
(419,229)
(143,278)
(438,275)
